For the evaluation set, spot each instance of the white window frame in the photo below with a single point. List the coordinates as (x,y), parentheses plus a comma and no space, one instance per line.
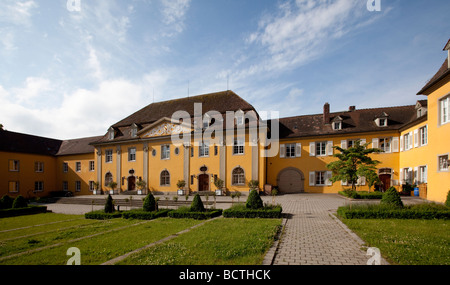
(322,147)
(132,154)
(407,141)
(165,151)
(38,186)
(238,179)
(203,149)
(78,166)
(238,146)
(91,186)
(385,140)
(39,166)
(163,180)
(16,187)
(65,167)
(65,186)
(14,165)
(337,125)
(290,150)
(108,156)
(423,174)
(91,165)
(443,163)
(321,176)
(77,186)
(423,135)
(444,110)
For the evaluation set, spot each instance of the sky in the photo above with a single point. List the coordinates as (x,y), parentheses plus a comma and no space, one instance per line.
(72,68)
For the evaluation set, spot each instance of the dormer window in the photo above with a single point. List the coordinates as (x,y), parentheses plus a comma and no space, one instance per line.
(336,123)
(134,130)
(421,108)
(382,121)
(111,133)
(239,115)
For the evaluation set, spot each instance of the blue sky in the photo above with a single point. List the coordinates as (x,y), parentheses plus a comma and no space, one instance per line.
(69,74)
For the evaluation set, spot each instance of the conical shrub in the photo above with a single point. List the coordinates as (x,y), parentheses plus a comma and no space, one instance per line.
(19,202)
(391,197)
(254,201)
(149,203)
(6,202)
(197,204)
(109,206)
(447,202)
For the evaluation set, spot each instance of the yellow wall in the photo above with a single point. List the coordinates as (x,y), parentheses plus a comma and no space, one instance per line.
(27,176)
(438,143)
(72,175)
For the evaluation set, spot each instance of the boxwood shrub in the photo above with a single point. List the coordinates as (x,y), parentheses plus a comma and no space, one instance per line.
(241,211)
(187,212)
(420,211)
(30,210)
(145,215)
(101,215)
(361,194)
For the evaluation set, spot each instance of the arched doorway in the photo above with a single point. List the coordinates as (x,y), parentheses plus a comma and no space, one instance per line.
(131,183)
(385,175)
(291,180)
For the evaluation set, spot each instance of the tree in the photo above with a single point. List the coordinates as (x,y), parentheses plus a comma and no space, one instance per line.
(197,204)
(353,163)
(149,203)
(254,201)
(392,197)
(109,206)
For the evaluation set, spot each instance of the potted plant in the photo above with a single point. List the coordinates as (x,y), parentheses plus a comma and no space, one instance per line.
(113,186)
(96,186)
(254,185)
(141,186)
(219,185)
(180,185)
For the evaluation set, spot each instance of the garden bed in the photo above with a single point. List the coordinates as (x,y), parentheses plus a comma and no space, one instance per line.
(30,210)
(419,211)
(361,194)
(101,215)
(241,211)
(187,212)
(145,215)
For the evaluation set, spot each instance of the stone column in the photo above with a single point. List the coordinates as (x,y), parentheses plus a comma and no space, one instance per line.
(118,169)
(145,174)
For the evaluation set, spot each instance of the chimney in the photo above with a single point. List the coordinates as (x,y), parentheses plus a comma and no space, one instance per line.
(351,108)
(326,113)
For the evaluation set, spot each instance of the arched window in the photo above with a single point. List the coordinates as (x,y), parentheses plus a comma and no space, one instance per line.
(164,178)
(108,178)
(237,176)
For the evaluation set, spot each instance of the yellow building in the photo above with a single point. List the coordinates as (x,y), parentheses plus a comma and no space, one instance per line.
(204,138)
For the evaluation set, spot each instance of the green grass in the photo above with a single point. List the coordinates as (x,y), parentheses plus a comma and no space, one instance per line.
(406,242)
(219,242)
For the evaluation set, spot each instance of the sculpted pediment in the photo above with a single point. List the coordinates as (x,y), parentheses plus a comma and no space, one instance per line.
(163,127)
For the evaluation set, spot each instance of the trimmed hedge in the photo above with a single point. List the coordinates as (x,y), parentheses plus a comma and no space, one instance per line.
(240,211)
(185,212)
(141,214)
(361,194)
(30,210)
(392,197)
(424,211)
(101,215)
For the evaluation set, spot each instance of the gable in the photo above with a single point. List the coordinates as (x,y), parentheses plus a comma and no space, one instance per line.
(163,127)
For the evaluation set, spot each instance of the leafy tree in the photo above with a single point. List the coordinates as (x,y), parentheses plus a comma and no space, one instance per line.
(353,162)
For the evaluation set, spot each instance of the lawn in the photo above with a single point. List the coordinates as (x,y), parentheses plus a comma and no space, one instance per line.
(44,239)
(406,242)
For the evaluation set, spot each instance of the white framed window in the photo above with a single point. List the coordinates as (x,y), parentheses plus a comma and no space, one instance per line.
(351,143)
(385,144)
(407,141)
(290,150)
(203,149)
(38,166)
(13,186)
(443,162)
(77,186)
(383,122)
(164,179)
(65,186)
(320,178)
(108,156)
(91,186)
(91,165)
(238,176)
(14,165)
(423,173)
(132,154)
(165,151)
(78,166)
(38,186)
(238,147)
(444,110)
(108,179)
(65,167)
(337,125)
(406,175)
(321,148)
(423,135)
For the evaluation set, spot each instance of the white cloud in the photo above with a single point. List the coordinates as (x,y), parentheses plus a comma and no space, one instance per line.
(34,87)
(173,12)
(16,12)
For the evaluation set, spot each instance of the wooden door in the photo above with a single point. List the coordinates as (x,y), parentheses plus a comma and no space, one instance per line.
(131,183)
(386,181)
(203,182)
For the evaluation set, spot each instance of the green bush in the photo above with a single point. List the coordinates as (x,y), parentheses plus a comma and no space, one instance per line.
(102,215)
(185,212)
(30,210)
(20,202)
(361,194)
(254,201)
(197,204)
(424,211)
(447,202)
(142,214)
(149,203)
(109,206)
(6,202)
(391,197)
(241,211)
